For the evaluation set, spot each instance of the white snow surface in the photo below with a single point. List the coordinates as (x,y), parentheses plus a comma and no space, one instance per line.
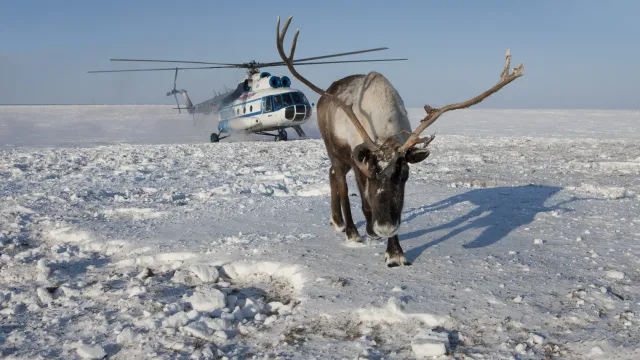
(123,232)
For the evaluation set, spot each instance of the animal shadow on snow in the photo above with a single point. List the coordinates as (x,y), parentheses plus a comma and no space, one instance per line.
(499,210)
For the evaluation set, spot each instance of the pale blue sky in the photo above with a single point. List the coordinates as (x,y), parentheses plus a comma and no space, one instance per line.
(578,54)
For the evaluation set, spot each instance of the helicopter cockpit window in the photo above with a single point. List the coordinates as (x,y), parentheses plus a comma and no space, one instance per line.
(286,99)
(277,102)
(267,104)
(304,99)
(297,98)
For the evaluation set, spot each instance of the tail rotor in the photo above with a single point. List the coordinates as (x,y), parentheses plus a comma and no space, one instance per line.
(175,92)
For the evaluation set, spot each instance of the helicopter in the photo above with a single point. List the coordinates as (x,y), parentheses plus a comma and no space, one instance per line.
(261,103)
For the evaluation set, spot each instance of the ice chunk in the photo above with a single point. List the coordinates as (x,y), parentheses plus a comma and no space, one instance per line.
(127,336)
(273,306)
(173,308)
(137,290)
(185,278)
(199,329)
(271,319)
(216,324)
(429,343)
(176,320)
(42,267)
(207,298)
(596,351)
(536,339)
(91,352)
(44,295)
(207,274)
(618,275)
(193,315)
(221,334)
(238,314)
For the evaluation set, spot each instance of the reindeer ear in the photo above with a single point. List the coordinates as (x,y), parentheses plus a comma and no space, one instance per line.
(416,155)
(365,160)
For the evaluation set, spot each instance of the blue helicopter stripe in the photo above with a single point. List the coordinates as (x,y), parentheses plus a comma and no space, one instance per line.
(244,115)
(248,102)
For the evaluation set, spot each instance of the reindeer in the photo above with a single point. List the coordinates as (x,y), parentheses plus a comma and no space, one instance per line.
(364,125)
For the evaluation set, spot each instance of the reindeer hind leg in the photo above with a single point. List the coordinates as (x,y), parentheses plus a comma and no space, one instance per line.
(337,221)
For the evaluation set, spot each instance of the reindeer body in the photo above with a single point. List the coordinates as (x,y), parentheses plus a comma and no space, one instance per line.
(381,111)
(377,105)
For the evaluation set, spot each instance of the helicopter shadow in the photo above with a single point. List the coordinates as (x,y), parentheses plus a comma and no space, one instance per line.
(498,210)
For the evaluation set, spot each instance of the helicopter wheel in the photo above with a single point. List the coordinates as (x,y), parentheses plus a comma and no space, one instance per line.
(215,138)
(282,135)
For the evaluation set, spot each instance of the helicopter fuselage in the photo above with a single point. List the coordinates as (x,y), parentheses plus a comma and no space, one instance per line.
(265,110)
(261,102)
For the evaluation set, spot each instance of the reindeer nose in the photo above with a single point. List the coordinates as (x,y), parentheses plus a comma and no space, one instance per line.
(386,230)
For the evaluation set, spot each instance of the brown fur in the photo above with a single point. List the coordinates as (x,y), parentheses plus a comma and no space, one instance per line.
(342,161)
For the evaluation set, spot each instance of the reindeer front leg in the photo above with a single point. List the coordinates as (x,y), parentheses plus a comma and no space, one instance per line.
(366,207)
(394,256)
(341,180)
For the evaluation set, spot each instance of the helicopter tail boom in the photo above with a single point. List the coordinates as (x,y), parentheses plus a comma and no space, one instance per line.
(187,101)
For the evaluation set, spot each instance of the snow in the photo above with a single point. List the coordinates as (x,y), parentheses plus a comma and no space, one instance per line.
(124,234)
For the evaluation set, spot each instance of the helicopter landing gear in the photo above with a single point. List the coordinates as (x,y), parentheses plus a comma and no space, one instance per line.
(282,135)
(216,137)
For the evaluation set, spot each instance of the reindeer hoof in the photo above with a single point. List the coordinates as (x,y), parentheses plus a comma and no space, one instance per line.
(354,237)
(395,260)
(336,227)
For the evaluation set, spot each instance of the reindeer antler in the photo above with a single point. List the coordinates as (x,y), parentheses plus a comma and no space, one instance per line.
(289,62)
(433,113)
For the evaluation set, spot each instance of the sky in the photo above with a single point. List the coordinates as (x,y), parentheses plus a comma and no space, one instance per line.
(578,54)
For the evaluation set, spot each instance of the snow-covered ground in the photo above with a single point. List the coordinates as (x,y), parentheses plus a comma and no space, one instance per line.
(523,228)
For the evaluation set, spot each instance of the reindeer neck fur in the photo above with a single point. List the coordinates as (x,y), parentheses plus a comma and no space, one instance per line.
(377,105)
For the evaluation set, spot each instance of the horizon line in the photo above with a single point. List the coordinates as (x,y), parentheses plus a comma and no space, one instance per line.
(408,107)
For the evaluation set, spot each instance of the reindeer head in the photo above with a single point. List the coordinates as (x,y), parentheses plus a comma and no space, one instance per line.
(386,171)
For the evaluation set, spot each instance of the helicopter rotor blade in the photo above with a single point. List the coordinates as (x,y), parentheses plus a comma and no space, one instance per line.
(175,78)
(166,69)
(341,54)
(173,61)
(325,56)
(337,62)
